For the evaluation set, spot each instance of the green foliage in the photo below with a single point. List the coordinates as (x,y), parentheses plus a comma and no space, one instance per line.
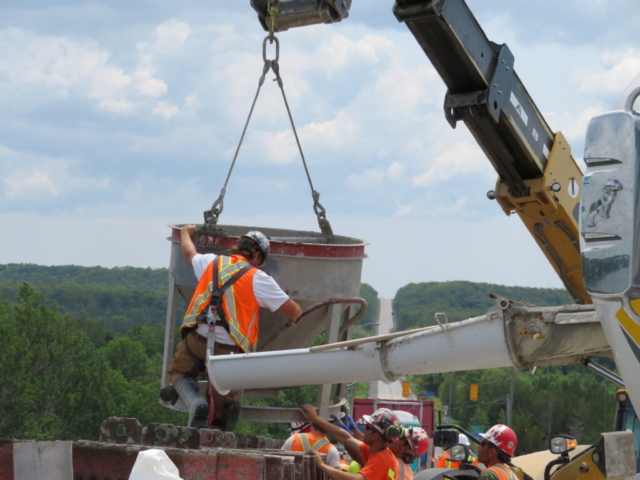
(373,304)
(128,277)
(371,314)
(416,303)
(554,400)
(57,385)
(117,298)
(94,350)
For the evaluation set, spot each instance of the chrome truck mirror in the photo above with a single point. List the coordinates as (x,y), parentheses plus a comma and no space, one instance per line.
(610,236)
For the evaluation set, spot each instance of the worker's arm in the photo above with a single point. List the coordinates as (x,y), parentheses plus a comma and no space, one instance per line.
(291,310)
(334,473)
(345,438)
(348,424)
(187,246)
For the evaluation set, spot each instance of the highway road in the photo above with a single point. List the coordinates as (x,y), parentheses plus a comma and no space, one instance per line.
(392,391)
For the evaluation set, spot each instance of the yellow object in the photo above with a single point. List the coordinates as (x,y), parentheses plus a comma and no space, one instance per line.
(473,392)
(552,216)
(406,389)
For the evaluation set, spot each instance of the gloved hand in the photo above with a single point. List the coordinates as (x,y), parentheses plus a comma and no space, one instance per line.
(337,422)
(348,421)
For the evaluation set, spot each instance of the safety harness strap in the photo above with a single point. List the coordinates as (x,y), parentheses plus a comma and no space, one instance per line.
(215,302)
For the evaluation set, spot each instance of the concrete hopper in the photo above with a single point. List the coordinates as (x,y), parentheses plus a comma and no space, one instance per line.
(308,266)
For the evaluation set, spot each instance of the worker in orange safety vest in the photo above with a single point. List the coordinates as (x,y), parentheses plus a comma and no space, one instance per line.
(377,462)
(231,307)
(445,461)
(311,436)
(495,451)
(413,443)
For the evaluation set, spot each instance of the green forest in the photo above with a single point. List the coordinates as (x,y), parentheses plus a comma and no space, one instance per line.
(81,344)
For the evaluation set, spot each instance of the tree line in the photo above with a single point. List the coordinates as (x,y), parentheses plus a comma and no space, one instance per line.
(76,352)
(81,344)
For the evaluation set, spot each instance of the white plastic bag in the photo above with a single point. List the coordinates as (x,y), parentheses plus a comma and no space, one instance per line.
(154,464)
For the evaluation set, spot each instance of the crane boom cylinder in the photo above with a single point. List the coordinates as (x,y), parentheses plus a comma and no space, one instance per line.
(483,88)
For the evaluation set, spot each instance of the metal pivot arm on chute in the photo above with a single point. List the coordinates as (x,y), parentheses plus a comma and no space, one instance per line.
(338,301)
(325,303)
(538,178)
(211,215)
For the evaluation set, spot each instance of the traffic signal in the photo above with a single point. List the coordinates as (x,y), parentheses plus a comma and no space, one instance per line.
(406,389)
(473,392)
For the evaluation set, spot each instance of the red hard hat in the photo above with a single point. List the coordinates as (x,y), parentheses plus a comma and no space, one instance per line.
(418,439)
(385,423)
(503,438)
(301,427)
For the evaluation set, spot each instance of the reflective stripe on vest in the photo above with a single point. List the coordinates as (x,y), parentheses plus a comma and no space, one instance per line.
(304,442)
(503,472)
(242,318)
(404,471)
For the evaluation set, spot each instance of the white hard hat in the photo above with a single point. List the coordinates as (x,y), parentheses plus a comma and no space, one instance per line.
(463,439)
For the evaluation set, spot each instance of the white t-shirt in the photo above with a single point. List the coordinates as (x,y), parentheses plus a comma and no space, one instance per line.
(333,457)
(268,294)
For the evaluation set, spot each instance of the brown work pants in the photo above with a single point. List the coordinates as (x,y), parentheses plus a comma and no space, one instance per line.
(182,364)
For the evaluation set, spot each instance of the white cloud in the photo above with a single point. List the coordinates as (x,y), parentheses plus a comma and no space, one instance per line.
(172,35)
(457,206)
(149,86)
(463,158)
(24,184)
(368,178)
(612,75)
(404,210)
(33,178)
(335,134)
(278,148)
(191,102)
(57,61)
(119,107)
(71,68)
(166,110)
(341,51)
(395,170)
(376,176)
(575,126)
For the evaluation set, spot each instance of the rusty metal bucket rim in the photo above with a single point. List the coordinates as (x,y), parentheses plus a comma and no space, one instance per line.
(280,246)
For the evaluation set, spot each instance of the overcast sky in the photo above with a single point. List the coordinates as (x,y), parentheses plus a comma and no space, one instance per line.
(118,118)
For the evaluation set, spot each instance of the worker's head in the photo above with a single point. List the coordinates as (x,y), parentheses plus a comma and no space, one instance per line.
(306,427)
(412,444)
(300,427)
(498,445)
(253,245)
(381,424)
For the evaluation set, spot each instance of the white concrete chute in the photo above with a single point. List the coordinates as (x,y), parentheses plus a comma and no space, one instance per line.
(510,334)
(478,343)
(472,344)
(288,368)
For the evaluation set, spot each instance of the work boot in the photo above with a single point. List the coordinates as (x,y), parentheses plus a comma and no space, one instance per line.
(169,394)
(187,388)
(233,413)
